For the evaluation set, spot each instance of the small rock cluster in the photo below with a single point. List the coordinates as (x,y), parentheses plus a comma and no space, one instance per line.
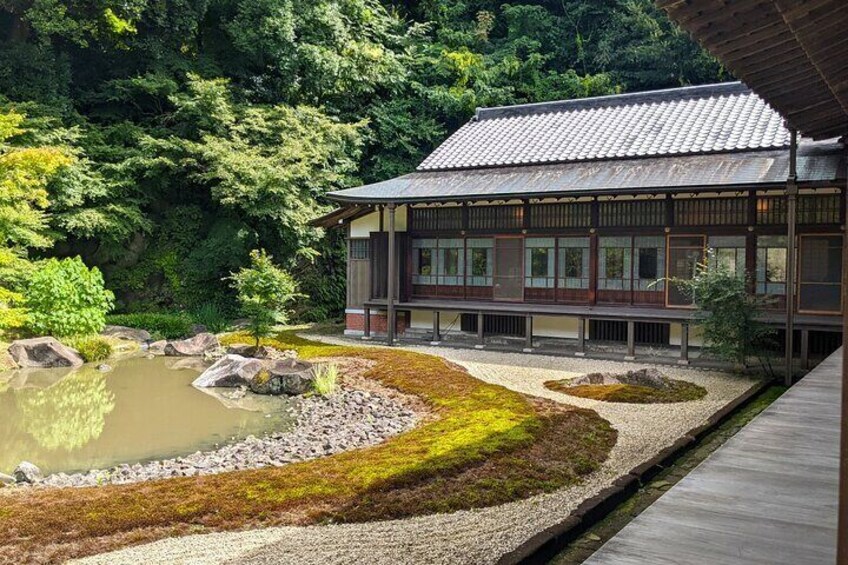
(649,377)
(348,419)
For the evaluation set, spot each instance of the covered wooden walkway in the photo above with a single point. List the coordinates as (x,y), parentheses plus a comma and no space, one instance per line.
(768,496)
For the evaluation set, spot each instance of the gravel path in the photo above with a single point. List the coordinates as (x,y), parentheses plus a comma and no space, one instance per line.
(476,536)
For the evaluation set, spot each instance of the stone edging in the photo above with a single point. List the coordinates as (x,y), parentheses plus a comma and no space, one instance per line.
(545,544)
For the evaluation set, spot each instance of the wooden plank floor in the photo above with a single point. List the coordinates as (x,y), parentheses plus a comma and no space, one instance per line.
(768,496)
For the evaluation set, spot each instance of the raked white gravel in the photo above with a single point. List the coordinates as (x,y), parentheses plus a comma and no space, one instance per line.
(474,536)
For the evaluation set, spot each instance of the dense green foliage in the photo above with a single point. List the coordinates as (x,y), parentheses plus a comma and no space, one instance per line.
(160,325)
(195,131)
(24,174)
(66,298)
(727,314)
(91,348)
(263,291)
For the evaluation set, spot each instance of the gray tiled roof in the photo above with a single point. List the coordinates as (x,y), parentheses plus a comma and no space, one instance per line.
(723,117)
(819,164)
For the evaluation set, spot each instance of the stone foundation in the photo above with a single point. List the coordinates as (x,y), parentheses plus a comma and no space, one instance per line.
(355,322)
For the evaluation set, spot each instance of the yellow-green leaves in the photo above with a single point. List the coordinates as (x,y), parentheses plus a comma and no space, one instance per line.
(117,25)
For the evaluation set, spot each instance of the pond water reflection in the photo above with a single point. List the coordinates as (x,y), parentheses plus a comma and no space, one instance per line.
(68,421)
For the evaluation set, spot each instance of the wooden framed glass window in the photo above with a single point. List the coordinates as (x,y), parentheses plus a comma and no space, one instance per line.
(727,252)
(424,261)
(771,265)
(573,263)
(649,257)
(685,253)
(451,263)
(359,249)
(438,262)
(614,263)
(480,257)
(539,262)
(820,274)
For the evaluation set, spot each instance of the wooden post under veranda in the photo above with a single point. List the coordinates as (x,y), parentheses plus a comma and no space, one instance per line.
(392,277)
(791,207)
(842,528)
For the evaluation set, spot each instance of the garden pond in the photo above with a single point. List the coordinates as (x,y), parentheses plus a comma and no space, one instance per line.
(71,420)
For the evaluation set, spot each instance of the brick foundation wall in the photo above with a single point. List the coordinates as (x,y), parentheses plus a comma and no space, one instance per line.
(379,322)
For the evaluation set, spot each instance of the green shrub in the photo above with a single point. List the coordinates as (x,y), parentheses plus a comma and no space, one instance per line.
(264,290)
(212,316)
(91,347)
(326,379)
(66,298)
(160,326)
(727,314)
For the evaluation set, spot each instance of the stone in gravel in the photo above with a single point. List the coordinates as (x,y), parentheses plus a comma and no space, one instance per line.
(230,371)
(192,347)
(7,479)
(649,377)
(26,472)
(126,333)
(104,367)
(43,352)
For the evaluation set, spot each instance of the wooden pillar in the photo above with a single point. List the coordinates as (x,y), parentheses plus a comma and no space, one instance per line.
(684,345)
(631,341)
(791,204)
(842,523)
(528,333)
(366,324)
(581,337)
(437,337)
(480,340)
(593,269)
(805,350)
(392,279)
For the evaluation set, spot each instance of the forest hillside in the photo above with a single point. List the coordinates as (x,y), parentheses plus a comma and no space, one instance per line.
(163,140)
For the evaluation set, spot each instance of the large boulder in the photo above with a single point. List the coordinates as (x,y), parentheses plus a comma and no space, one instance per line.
(261,352)
(43,352)
(192,347)
(229,371)
(157,347)
(26,472)
(126,333)
(288,376)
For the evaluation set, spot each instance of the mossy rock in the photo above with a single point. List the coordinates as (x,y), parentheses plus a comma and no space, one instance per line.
(674,391)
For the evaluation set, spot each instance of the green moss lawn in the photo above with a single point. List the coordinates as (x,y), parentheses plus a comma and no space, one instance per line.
(486,445)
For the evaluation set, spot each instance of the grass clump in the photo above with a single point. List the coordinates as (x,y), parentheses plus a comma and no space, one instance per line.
(91,348)
(484,445)
(326,379)
(160,326)
(675,391)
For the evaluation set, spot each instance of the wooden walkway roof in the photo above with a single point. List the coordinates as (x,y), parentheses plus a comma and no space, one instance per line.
(768,496)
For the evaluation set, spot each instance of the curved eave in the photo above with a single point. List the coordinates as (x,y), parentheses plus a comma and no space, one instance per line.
(818,166)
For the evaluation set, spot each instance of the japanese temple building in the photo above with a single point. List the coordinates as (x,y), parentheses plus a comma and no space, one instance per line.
(567,219)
